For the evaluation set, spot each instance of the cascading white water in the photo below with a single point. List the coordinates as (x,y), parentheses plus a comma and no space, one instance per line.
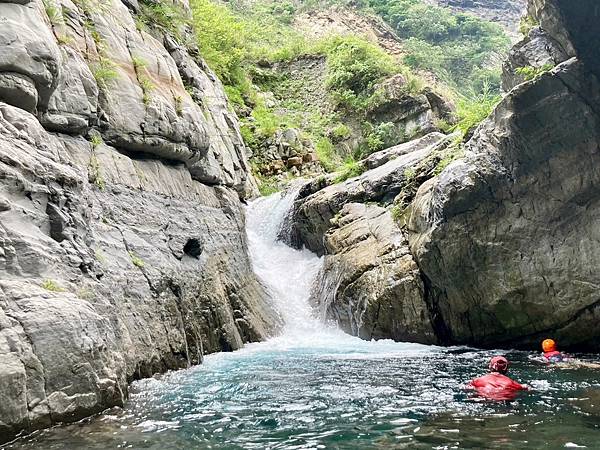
(289,275)
(286,272)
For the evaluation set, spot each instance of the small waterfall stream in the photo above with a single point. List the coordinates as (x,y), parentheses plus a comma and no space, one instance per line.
(287,273)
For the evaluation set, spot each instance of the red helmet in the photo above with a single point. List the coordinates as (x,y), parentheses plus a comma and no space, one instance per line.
(499,364)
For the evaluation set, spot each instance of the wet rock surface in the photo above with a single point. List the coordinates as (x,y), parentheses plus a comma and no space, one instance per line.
(369,284)
(122,235)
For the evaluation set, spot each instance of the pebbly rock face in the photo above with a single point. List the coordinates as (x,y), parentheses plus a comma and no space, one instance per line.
(506,237)
(122,239)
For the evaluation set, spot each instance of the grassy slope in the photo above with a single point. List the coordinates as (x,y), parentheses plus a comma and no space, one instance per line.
(241,40)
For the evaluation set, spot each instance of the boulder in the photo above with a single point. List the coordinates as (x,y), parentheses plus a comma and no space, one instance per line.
(506,236)
(320,201)
(411,114)
(369,284)
(294,161)
(380,158)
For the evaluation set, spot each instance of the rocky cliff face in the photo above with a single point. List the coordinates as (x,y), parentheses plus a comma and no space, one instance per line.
(122,241)
(504,238)
(369,284)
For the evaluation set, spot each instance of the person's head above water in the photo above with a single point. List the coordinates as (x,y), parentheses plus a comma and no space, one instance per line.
(499,364)
(549,346)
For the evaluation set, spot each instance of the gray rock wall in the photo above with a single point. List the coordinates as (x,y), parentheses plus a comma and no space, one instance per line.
(507,237)
(122,239)
(370,284)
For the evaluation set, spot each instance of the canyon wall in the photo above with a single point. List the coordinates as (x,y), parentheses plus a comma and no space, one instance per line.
(122,234)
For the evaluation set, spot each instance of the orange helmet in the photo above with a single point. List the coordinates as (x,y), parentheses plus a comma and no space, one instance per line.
(549,345)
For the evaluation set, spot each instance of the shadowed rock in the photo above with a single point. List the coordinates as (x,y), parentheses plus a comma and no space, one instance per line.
(506,237)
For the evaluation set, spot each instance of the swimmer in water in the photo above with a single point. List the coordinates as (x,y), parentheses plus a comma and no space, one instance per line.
(496,385)
(551,355)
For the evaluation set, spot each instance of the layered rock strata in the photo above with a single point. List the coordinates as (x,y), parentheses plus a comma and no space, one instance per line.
(506,237)
(122,239)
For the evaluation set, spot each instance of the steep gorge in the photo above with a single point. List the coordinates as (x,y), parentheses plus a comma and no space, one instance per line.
(123,250)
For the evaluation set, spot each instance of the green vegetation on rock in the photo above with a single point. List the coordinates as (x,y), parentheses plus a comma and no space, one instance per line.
(350,169)
(354,67)
(455,47)
(532,73)
(168,17)
(52,286)
(136,260)
(256,52)
(472,111)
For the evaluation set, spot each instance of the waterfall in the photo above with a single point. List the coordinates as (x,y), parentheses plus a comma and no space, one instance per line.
(287,273)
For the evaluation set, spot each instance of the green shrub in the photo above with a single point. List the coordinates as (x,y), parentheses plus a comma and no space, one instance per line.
(453,153)
(54,12)
(267,185)
(63,39)
(451,45)
(354,67)
(139,63)
(340,132)
(52,286)
(350,169)
(326,153)
(397,211)
(104,71)
(377,138)
(95,140)
(221,38)
(472,111)
(147,88)
(530,73)
(95,174)
(168,17)
(266,122)
(136,260)
(526,24)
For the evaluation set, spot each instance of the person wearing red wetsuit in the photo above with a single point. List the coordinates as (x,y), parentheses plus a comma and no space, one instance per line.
(496,385)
